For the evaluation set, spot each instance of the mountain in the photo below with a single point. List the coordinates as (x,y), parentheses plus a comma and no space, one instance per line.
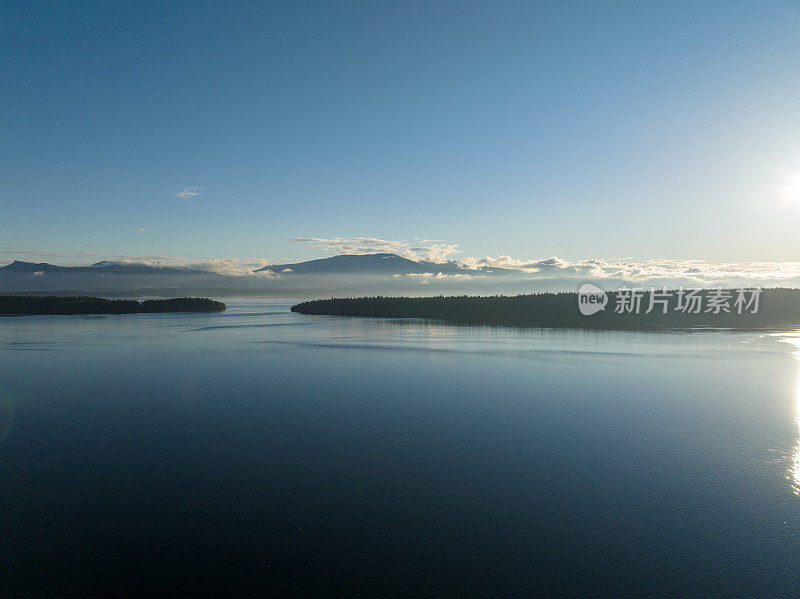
(17,266)
(383,264)
(105,276)
(344,274)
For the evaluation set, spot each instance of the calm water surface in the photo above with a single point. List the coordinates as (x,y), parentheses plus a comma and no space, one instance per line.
(259,449)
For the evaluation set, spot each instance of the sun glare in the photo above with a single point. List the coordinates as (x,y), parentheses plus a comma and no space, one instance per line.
(793,339)
(788,193)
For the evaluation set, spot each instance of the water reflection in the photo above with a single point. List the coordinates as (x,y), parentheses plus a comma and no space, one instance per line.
(793,339)
(6,417)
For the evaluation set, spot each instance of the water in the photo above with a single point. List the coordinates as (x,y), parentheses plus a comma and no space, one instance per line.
(260,450)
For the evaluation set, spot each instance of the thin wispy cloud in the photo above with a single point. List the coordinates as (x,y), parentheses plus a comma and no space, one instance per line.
(186,193)
(439,276)
(142,229)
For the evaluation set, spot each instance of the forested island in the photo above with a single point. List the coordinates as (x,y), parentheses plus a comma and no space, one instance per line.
(30,304)
(662,309)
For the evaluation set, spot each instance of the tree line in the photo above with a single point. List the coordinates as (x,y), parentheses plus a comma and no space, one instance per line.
(30,304)
(776,308)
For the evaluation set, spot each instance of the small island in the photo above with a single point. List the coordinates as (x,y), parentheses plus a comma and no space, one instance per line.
(30,304)
(776,308)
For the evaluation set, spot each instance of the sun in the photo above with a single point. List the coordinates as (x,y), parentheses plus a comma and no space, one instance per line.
(788,193)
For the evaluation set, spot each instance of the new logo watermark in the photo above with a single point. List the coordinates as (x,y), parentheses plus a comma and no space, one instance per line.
(591,299)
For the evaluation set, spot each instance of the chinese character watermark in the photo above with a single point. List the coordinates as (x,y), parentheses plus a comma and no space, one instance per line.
(592,299)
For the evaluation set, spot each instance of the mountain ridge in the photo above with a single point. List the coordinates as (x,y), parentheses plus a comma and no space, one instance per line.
(20,266)
(377,263)
(345,273)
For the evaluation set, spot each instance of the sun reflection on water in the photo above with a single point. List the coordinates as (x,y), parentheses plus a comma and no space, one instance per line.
(793,339)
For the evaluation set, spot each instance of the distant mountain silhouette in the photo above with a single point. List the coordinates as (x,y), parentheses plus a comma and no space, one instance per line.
(19,266)
(386,264)
(106,266)
(347,275)
(40,276)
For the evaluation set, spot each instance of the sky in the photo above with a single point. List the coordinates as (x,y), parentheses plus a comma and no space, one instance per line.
(275,132)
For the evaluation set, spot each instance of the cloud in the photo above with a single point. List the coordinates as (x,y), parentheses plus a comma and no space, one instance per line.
(437,252)
(544,264)
(439,276)
(656,272)
(356,245)
(235,267)
(431,250)
(142,229)
(188,192)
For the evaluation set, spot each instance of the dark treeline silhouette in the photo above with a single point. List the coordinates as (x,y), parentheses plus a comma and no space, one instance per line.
(776,308)
(28,304)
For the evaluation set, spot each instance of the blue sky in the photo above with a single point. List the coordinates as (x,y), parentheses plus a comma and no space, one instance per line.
(582,130)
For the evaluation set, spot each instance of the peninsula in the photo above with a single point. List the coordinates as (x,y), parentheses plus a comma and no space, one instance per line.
(709,308)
